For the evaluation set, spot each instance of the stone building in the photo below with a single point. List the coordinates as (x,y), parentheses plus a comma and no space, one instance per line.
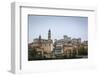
(70,46)
(44,46)
(58,50)
(70,50)
(76,40)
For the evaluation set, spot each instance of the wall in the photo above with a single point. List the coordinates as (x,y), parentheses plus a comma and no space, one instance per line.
(5,36)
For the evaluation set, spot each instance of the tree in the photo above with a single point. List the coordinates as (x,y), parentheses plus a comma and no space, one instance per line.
(83,50)
(32,53)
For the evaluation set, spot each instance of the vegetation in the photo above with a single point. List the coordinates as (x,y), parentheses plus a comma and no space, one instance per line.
(83,50)
(33,54)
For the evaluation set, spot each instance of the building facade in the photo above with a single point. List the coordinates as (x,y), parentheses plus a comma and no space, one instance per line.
(44,46)
(62,48)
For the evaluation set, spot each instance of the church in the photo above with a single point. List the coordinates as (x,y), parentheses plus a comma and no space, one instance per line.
(43,46)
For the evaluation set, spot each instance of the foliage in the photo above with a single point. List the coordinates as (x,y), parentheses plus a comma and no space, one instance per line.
(83,50)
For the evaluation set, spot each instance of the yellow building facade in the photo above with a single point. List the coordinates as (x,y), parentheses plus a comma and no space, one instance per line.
(45,46)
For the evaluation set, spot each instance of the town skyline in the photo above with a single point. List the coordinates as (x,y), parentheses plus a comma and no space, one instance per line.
(41,49)
(74,27)
(57,38)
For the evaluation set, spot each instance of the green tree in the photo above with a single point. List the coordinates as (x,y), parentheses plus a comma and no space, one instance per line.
(83,50)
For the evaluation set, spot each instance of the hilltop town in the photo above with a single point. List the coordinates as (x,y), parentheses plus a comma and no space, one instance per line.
(66,48)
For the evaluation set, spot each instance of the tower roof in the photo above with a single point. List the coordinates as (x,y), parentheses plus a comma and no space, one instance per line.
(39,36)
(49,30)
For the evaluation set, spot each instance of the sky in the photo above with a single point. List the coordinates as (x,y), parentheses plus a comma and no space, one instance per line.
(72,26)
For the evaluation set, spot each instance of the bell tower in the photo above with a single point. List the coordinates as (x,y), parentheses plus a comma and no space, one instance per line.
(49,34)
(40,40)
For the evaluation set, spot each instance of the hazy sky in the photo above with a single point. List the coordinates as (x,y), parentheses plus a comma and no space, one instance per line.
(73,27)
